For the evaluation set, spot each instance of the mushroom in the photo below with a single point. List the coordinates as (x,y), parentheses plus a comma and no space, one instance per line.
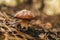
(25,15)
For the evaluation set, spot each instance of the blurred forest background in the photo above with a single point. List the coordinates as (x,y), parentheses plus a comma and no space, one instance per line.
(45,25)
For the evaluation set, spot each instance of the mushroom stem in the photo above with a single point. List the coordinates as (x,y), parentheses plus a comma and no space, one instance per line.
(24,24)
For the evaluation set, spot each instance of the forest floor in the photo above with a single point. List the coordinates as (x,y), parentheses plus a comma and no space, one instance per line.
(43,27)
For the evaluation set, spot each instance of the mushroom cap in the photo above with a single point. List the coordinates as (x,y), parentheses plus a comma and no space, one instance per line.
(24,14)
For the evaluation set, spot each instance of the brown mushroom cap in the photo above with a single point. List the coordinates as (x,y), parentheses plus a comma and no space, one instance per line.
(24,14)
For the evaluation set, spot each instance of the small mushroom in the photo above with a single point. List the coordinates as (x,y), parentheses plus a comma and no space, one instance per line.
(25,15)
